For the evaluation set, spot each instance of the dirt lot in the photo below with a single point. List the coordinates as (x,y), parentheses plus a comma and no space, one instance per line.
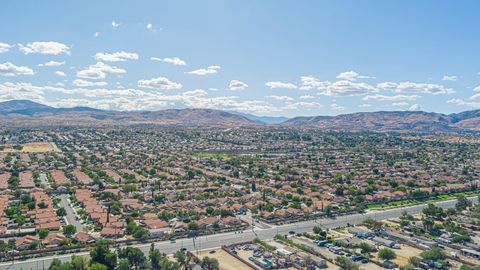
(36,147)
(227,261)
(404,253)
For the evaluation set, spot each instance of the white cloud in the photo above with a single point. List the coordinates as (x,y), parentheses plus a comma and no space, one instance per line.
(450,78)
(83,83)
(94,74)
(365,105)
(96,34)
(4,47)
(280,85)
(411,87)
(52,64)
(198,99)
(149,26)
(392,98)
(10,90)
(49,47)
(115,24)
(476,96)
(60,73)
(346,88)
(400,104)
(8,69)
(208,70)
(171,60)
(285,98)
(131,99)
(461,102)
(301,105)
(307,97)
(415,107)
(336,107)
(351,76)
(159,83)
(310,82)
(236,85)
(116,57)
(477,91)
(99,71)
(337,88)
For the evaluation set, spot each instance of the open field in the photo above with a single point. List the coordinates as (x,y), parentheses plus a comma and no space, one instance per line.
(226,261)
(34,147)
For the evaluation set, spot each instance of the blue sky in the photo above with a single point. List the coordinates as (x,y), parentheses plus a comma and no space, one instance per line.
(264,57)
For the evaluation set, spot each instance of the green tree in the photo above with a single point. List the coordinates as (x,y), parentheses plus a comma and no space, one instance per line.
(141,233)
(101,254)
(124,264)
(79,262)
(210,263)
(386,254)
(56,264)
(134,255)
(181,257)
(97,266)
(435,254)
(346,263)
(155,258)
(462,203)
(365,247)
(42,233)
(193,226)
(433,211)
(42,205)
(61,212)
(69,230)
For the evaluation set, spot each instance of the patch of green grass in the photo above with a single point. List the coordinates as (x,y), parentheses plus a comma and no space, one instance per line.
(411,202)
(212,155)
(264,244)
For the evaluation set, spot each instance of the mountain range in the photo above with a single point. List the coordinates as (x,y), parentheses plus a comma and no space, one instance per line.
(29,113)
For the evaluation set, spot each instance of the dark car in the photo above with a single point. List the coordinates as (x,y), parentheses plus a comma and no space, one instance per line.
(389,264)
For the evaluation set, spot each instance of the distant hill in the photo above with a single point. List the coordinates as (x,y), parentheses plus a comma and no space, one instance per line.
(27,107)
(32,113)
(391,121)
(25,112)
(269,120)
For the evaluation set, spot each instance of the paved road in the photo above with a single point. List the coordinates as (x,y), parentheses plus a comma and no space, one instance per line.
(71,216)
(250,220)
(217,240)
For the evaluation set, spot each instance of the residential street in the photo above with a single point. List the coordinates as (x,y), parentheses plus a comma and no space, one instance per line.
(71,217)
(217,240)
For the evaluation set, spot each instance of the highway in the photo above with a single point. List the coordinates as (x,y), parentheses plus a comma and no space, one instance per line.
(217,240)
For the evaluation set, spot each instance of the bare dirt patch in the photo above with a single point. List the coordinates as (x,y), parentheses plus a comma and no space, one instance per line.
(226,261)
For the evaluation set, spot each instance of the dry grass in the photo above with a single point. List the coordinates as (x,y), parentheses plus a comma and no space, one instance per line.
(34,147)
